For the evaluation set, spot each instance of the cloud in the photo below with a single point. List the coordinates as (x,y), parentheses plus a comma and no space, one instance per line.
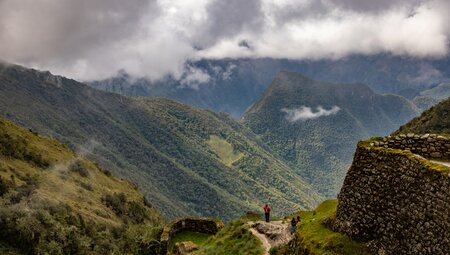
(344,32)
(307,113)
(94,39)
(193,78)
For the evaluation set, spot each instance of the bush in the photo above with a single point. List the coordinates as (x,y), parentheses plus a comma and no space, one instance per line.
(79,167)
(25,190)
(17,147)
(86,186)
(132,211)
(117,202)
(5,186)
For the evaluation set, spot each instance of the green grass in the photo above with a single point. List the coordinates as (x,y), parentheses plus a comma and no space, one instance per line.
(8,250)
(234,239)
(49,209)
(198,238)
(320,240)
(224,150)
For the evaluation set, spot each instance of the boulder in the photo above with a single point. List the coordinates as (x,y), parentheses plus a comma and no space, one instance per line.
(183,248)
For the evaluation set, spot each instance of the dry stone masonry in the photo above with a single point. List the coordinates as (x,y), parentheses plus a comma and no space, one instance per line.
(200,225)
(395,199)
(428,145)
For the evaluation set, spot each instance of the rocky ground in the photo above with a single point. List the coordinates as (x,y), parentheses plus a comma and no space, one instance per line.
(271,234)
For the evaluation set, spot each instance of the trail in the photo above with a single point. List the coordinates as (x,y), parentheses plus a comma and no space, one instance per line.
(272,234)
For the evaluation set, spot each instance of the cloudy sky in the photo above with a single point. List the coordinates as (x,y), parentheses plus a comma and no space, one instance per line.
(94,39)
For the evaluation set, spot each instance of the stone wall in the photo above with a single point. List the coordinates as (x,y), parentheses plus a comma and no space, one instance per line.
(200,225)
(428,145)
(397,201)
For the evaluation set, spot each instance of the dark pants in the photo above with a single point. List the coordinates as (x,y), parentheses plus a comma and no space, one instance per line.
(267,216)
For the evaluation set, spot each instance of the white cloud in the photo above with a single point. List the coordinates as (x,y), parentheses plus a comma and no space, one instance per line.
(194,77)
(94,39)
(344,32)
(306,113)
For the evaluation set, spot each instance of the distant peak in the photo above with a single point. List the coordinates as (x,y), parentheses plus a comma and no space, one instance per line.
(291,74)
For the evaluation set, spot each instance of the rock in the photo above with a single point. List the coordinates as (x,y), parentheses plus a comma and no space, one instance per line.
(436,154)
(184,248)
(410,135)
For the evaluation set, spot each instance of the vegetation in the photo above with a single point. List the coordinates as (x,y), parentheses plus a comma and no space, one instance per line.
(314,236)
(233,239)
(224,150)
(321,149)
(198,238)
(161,145)
(59,207)
(432,165)
(435,120)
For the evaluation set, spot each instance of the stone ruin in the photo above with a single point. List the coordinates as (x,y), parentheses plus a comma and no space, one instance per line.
(199,225)
(395,199)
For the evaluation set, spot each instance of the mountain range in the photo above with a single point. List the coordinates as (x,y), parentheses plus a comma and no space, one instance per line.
(314,125)
(185,160)
(232,85)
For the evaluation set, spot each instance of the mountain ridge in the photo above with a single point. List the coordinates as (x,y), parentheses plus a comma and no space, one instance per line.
(234,84)
(54,201)
(314,125)
(157,143)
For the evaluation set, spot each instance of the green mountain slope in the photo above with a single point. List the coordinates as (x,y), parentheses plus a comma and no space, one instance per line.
(434,120)
(179,156)
(53,201)
(314,126)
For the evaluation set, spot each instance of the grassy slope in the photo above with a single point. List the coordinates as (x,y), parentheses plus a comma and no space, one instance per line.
(321,149)
(54,201)
(434,120)
(224,150)
(159,144)
(198,238)
(318,239)
(234,239)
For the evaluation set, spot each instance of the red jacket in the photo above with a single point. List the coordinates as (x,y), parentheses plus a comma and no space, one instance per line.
(267,209)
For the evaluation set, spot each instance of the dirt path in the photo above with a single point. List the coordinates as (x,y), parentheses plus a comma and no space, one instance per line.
(272,234)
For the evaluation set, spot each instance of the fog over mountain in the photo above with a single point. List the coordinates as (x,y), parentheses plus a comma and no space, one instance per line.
(94,39)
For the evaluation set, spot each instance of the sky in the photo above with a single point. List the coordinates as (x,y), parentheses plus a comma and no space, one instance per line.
(95,39)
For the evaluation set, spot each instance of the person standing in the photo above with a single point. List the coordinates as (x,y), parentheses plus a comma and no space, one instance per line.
(293,225)
(267,212)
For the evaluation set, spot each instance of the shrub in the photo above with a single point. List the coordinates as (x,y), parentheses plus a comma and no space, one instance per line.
(86,186)
(5,186)
(25,190)
(79,167)
(17,147)
(117,202)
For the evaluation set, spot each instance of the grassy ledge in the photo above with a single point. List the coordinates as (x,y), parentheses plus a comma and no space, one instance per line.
(431,165)
(198,238)
(234,239)
(320,240)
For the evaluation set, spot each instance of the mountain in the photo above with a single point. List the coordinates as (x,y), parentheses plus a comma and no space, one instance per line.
(435,120)
(53,201)
(185,160)
(232,85)
(314,125)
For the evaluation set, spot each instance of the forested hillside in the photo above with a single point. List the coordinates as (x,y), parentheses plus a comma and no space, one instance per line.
(185,160)
(232,85)
(314,126)
(53,201)
(436,120)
